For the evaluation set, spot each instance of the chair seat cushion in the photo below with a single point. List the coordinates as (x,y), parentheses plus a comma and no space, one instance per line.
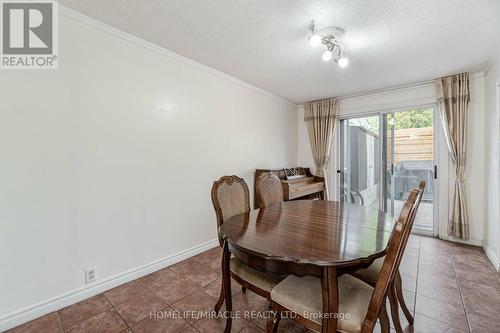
(370,274)
(264,281)
(302,295)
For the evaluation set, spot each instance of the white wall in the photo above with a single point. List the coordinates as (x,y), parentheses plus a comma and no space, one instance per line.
(492,163)
(418,95)
(108,161)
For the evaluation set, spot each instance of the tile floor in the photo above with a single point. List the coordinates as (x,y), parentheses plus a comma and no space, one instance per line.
(451,288)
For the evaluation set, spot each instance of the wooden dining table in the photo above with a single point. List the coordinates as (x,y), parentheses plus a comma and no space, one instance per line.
(306,237)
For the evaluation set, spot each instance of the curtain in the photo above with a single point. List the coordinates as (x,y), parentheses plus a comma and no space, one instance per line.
(453,99)
(320,118)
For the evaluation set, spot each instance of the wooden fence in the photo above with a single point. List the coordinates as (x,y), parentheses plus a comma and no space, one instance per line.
(413,144)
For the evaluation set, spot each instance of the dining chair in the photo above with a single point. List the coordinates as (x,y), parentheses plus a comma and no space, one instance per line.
(269,189)
(230,197)
(360,305)
(395,293)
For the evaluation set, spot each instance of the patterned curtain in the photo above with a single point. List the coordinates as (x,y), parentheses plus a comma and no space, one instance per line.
(453,99)
(320,118)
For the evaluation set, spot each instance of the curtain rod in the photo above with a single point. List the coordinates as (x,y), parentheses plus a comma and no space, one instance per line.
(371,92)
(409,85)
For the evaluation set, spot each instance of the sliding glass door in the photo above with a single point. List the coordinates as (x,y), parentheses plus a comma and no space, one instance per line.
(384,156)
(360,160)
(410,155)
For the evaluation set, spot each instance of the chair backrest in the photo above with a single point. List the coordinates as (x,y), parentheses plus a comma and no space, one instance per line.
(406,236)
(230,197)
(394,254)
(421,187)
(269,189)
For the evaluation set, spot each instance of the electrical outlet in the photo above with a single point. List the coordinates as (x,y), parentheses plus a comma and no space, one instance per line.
(90,275)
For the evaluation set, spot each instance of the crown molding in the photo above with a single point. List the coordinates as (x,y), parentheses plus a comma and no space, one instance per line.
(106,28)
(492,59)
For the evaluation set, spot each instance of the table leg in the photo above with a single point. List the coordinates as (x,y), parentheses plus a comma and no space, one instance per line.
(226,281)
(330,292)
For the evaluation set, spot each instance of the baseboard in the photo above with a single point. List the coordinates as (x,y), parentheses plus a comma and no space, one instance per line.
(474,242)
(34,311)
(492,256)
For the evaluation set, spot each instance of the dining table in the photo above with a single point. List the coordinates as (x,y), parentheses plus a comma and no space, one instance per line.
(320,238)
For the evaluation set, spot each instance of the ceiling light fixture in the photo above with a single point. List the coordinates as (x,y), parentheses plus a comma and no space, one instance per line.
(327,55)
(315,40)
(343,62)
(331,38)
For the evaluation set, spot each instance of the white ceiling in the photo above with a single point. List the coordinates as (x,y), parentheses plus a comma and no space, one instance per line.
(264,42)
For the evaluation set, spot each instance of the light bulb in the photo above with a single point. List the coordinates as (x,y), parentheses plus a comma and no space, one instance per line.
(343,62)
(327,55)
(315,40)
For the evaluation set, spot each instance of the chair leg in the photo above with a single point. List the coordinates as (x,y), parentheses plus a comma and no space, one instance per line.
(393,301)
(243,289)
(226,278)
(219,303)
(384,319)
(273,321)
(399,293)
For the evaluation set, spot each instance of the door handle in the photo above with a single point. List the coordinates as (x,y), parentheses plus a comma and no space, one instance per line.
(435,172)
(392,169)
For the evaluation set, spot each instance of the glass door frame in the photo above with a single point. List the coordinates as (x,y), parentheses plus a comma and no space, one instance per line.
(342,143)
(382,114)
